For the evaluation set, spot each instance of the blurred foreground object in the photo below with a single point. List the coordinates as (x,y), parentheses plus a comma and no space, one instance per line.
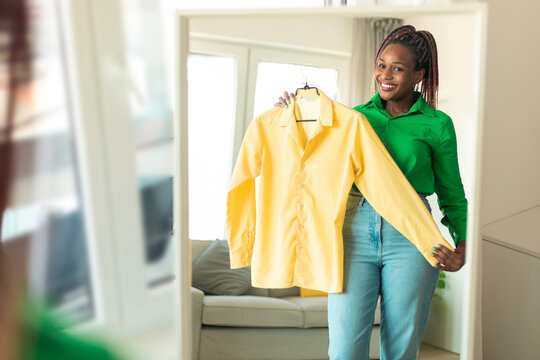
(27,331)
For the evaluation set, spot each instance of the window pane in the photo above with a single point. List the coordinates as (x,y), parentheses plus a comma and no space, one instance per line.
(273,78)
(45,204)
(211,104)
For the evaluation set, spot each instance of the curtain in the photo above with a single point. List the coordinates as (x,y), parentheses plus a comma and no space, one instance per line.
(368,34)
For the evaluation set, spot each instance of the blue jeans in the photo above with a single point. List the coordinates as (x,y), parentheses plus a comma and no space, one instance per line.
(378,260)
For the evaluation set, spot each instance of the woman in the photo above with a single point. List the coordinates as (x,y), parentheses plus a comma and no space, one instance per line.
(378,260)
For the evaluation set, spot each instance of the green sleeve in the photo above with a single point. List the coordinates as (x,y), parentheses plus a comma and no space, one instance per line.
(45,339)
(448,185)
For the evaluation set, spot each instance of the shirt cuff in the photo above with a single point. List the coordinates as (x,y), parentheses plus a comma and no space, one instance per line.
(239,260)
(430,258)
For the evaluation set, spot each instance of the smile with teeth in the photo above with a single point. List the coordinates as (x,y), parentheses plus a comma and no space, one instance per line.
(386,86)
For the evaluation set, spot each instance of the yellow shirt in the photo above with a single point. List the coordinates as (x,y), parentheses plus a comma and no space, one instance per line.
(294,237)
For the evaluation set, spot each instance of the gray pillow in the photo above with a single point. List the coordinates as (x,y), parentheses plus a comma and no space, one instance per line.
(213,275)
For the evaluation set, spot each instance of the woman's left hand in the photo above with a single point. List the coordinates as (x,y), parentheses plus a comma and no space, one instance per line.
(450,260)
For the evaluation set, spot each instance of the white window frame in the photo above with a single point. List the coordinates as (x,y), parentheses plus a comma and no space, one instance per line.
(297,56)
(98,81)
(249,53)
(201,44)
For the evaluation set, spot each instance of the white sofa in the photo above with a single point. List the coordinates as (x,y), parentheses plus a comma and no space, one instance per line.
(262,324)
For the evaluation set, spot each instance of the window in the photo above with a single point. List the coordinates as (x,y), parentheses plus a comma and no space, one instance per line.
(218,98)
(211,99)
(273,78)
(46,204)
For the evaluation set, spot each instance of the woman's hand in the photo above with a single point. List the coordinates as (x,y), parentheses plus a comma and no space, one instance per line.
(450,260)
(285,100)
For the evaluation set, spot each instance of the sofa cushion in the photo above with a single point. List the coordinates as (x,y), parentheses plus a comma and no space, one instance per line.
(213,275)
(233,343)
(257,291)
(314,309)
(290,291)
(251,311)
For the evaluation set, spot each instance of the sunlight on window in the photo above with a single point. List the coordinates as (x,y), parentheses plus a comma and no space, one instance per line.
(211,104)
(275,78)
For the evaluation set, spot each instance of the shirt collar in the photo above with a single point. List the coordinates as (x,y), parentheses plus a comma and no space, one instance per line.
(325,111)
(419,105)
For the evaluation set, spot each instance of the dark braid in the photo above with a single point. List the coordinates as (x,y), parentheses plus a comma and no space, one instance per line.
(424,48)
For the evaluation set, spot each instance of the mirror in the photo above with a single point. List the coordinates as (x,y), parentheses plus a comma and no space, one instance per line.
(232,66)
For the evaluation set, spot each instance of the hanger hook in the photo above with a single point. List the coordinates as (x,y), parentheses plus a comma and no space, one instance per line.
(304,76)
(306,86)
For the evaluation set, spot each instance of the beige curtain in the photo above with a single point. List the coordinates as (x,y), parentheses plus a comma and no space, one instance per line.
(368,34)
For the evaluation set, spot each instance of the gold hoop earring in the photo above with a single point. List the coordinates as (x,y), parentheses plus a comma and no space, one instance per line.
(373,86)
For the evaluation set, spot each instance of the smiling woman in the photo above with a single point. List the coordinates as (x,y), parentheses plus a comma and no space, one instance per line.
(422,141)
(400,116)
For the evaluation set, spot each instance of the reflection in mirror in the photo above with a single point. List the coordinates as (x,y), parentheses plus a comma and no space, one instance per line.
(335,53)
(273,77)
(210,133)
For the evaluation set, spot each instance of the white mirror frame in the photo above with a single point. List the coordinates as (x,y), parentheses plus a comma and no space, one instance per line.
(471,338)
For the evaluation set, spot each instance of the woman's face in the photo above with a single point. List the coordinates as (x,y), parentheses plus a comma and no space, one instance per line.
(395,73)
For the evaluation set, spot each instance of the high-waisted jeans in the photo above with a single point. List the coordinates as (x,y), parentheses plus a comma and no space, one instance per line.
(378,260)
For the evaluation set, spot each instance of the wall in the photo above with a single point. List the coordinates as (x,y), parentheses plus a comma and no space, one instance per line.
(511,161)
(510,171)
(333,34)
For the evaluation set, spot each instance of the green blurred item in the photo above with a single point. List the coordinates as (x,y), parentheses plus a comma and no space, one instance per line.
(45,339)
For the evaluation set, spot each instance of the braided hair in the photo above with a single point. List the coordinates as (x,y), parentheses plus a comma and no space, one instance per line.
(423,46)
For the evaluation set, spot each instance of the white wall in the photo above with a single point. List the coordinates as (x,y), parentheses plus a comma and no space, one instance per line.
(511,161)
(333,34)
(511,152)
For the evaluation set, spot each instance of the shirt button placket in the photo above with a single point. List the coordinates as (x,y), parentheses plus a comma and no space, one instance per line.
(300,212)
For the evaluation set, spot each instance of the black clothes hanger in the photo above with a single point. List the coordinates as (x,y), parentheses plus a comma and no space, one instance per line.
(306,87)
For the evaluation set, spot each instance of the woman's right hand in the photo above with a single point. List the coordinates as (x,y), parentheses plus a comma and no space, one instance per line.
(285,100)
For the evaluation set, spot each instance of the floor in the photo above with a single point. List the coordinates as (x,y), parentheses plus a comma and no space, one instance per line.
(428,352)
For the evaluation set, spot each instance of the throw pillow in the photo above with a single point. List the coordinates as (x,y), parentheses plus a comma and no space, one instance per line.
(212,272)
(310,293)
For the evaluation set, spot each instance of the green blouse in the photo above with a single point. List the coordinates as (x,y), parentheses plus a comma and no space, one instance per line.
(423,145)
